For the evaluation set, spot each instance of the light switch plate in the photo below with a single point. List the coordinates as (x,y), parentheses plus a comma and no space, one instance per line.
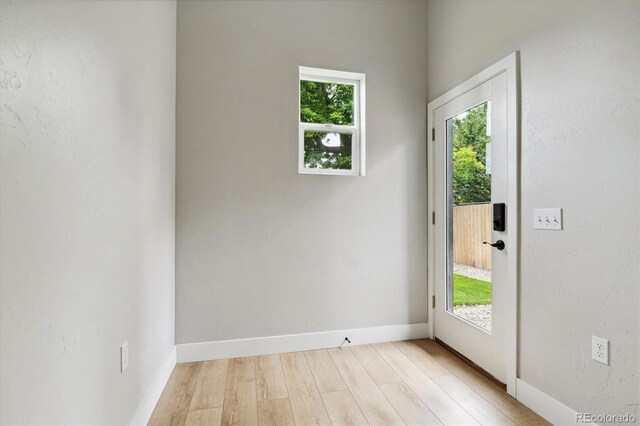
(550,219)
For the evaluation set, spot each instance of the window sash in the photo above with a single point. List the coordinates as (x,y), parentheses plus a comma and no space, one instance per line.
(330,128)
(356,96)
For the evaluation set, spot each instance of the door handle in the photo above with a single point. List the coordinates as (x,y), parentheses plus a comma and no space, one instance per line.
(498,244)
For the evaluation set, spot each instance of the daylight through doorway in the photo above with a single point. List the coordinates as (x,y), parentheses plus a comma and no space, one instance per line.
(469,164)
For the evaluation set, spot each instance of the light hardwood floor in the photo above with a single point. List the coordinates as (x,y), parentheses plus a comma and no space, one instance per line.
(412,382)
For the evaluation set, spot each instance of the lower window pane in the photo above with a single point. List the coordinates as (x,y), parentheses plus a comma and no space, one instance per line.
(327,150)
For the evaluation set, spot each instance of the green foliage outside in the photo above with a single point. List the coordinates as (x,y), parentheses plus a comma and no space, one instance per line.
(326,103)
(471,184)
(469,291)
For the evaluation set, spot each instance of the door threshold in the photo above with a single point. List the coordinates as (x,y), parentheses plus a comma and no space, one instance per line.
(472,364)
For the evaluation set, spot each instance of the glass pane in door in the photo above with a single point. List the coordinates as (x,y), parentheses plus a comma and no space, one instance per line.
(469,215)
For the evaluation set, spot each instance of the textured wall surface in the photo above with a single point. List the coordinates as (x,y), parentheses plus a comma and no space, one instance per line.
(87,207)
(580,146)
(262,250)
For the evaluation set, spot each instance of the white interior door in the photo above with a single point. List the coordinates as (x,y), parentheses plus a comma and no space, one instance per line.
(472,279)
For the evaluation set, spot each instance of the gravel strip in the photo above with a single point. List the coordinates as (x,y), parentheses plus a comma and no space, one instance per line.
(472,272)
(479,315)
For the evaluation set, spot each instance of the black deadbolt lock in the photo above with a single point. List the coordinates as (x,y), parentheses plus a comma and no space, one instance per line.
(499,217)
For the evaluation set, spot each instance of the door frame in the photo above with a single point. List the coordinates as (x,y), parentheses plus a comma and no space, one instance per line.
(510,66)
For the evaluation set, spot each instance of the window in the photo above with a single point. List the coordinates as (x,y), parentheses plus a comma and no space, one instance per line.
(331,127)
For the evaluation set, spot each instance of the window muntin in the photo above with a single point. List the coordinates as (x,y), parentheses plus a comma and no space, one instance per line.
(331,123)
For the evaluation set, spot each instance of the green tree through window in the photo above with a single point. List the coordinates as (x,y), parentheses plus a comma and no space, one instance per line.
(471,183)
(326,103)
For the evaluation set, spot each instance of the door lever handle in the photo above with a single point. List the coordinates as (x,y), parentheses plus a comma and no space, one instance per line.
(498,244)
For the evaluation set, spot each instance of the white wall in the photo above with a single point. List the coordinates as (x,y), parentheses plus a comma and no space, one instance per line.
(262,250)
(580,138)
(87,207)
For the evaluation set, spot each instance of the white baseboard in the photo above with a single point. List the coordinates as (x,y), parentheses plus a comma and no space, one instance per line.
(155,390)
(551,409)
(190,352)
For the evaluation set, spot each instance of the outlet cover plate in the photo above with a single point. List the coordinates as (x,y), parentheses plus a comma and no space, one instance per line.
(600,349)
(548,219)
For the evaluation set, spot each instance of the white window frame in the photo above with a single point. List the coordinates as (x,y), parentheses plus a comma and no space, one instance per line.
(357,130)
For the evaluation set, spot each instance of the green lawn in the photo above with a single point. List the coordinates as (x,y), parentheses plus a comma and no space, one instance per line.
(469,291)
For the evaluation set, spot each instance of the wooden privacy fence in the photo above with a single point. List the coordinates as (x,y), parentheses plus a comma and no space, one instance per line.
(472,226)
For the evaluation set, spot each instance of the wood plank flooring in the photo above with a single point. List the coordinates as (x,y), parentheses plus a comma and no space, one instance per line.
(416,382)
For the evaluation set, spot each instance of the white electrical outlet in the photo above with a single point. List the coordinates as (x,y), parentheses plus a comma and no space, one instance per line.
(600,349)
(550,219)
(124,356)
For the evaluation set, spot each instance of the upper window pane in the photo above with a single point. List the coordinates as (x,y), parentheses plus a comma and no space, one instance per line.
(326,103)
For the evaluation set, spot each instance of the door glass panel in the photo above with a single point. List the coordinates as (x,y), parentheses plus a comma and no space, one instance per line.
(469,215)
